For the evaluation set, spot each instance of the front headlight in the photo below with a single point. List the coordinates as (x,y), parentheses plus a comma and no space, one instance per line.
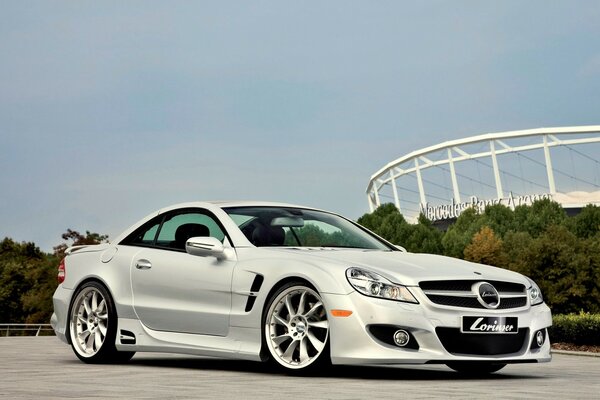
(374,285)
(535,294)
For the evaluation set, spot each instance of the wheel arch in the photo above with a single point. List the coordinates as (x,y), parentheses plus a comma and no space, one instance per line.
(264,351)
(75,292)
(284,281)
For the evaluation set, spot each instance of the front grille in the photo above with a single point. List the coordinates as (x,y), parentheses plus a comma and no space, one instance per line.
(459,293)
(482,344)
(465,285)
(472,302)
(512,302)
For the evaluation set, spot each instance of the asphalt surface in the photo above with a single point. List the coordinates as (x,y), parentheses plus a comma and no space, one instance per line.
(43,367)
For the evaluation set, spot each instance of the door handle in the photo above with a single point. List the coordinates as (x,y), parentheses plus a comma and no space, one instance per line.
(143,264)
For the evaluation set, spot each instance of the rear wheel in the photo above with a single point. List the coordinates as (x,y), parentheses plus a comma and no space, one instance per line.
(476,368)
(93,326)
(296,329)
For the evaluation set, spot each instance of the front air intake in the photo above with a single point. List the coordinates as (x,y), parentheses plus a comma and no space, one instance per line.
(481,344)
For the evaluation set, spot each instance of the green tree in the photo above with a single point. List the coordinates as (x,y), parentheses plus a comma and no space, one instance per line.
(536,218)
(515,246)
(388,222)
(373,221)
(500,218)
(586,224)
(566,269)
(37,302)
(18,261)
(421,237)
(28,277)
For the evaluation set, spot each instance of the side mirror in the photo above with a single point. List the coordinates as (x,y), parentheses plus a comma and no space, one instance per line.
(401,248)
(205,246)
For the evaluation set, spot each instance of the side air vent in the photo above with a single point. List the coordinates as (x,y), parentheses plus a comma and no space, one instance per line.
(254,288)
(257,283)
(126,337)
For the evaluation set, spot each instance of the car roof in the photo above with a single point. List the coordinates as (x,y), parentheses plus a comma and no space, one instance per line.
(232,203)
(249,203)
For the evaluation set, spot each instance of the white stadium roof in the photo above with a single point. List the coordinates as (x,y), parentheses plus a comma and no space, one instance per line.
(569,152)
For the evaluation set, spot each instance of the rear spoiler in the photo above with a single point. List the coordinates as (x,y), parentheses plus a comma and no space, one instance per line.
(73,249)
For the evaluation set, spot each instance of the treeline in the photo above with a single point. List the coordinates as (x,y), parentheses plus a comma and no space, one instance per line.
(560,253)
(28,277)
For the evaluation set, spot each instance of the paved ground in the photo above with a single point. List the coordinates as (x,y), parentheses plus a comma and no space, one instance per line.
(43,367)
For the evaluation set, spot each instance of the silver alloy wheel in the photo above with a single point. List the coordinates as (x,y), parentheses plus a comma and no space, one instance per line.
(296,327)
(89,321)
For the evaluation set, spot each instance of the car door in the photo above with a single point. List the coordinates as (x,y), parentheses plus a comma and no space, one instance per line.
(175,291)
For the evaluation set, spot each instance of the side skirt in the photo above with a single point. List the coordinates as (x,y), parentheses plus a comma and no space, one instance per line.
(240,343)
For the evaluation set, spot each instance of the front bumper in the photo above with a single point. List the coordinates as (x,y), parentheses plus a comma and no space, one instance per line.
(352,342)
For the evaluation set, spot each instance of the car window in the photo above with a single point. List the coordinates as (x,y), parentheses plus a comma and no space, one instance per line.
(319,233)
(150,234)
(289,226)
(146,235)
(178,228)
(172,230)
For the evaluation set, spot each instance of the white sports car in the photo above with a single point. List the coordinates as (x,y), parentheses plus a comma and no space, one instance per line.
(294,285)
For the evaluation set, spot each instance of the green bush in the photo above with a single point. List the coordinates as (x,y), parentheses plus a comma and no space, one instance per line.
(581,329)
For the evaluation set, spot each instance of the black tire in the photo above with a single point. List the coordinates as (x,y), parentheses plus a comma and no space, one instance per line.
(312,338)
(93,331)
(474,368)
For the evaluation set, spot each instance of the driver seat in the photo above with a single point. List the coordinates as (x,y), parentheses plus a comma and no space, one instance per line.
(264,235)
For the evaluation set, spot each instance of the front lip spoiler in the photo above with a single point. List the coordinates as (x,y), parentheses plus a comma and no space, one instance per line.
(500,361)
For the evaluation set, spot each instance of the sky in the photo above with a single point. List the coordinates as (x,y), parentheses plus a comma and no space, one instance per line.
(111,110)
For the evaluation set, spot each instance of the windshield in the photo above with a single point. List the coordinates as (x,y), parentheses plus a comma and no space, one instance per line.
(295,227)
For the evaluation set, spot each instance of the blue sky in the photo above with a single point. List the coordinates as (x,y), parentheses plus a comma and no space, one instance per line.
(110,110)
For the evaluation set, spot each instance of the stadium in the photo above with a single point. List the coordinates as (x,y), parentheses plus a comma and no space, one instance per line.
(511,168)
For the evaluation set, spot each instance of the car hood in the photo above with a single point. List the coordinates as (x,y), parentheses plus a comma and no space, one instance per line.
(408,268)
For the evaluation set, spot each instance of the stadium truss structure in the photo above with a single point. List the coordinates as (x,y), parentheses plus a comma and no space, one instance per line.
(510,168)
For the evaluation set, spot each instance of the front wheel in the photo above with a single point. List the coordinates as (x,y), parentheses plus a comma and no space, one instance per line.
(93,326)
(296,329)
(476,368)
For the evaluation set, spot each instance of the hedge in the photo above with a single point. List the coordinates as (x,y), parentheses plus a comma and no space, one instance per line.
(581,329)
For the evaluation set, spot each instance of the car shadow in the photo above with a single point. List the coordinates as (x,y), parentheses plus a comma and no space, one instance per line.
(404,373)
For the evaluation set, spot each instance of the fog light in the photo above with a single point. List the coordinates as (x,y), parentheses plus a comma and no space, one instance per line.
(539,338)
(401,337)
